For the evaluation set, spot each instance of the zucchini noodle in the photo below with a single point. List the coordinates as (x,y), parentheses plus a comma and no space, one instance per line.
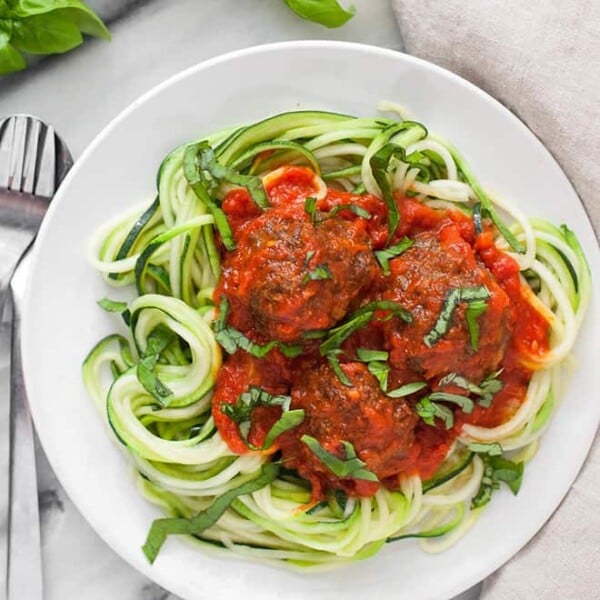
(154,386)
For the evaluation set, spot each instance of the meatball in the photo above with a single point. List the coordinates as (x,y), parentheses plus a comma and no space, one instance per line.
(288,275)
(419,280)
(379,428)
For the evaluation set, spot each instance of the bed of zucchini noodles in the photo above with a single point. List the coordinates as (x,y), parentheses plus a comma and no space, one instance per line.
(167,252)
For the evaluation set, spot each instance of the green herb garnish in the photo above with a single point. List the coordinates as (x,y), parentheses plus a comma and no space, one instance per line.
(231,339)
(384,256)
(43,27)
(240,413)
(451,301)
(161,528)
(319,273)
(328,13)
(157,342)
(407,389)
(350,466)
(497,469)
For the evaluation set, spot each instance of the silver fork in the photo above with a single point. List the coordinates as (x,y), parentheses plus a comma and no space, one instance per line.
(33,161)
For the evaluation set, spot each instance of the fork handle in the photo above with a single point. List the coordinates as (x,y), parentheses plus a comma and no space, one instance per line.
(24,571)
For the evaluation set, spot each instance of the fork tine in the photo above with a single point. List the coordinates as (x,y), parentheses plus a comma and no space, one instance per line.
(46,182)
(7,130)
(31,156)
(15,179)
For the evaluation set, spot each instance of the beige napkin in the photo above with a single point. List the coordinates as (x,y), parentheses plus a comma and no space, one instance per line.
(541,58)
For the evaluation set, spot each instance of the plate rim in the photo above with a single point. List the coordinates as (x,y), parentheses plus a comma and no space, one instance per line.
(173,80)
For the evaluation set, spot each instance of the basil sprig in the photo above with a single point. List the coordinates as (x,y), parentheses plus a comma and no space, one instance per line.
(231,339)
(240,413)
(325,12)
(161,528)
(350,466)
(452,299)
(43,27)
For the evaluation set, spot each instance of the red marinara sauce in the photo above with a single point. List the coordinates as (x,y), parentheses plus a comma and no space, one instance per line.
(294,273)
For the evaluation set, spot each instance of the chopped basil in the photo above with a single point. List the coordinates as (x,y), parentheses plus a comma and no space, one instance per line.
(359,211)
(497,469)
(337,369)
(329,13)
(232,339)
(384,256)
(157,342)
(241,413)
(360,318)
(380,165)
(494,449)
(161,528)
(486,390)
(407,389)
(310,208)
(308,257)
(465,403)
(319,273)
(366,355)
(474,310)
(380,371)
(350,466)
(428,410)
(198,181)
(115,306)
(216,173)
(453,297)
(477,218)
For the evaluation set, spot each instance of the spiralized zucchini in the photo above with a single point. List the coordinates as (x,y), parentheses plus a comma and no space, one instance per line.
(154,387)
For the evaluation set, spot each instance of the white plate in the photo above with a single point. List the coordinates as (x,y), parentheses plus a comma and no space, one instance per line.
(118,170)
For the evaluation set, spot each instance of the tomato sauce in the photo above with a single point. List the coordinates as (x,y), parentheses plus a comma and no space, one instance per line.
(294,274)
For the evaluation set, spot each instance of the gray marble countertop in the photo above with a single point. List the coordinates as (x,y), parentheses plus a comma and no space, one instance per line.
(79,93)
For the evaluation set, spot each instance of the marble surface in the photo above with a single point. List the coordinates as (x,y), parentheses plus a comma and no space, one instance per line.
(79,93)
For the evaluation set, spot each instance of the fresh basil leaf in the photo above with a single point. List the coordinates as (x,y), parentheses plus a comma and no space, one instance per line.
(474,311)
(231,339)
(308,257)
(198,182)
(380,371)
(451,300)
(319,273)
(359,211)
(6,27)
(240,413)
(112,305)
(406,389)
(161,528)
(310,208)
(384,256)
(74,10)
(358,319)
(11,60)
(213,169)
(325,12)
(380,164)
(428,410)
(494,449)
(465,403)
(489,386)
(350,466)
(497,469)
(287,421)
(45,34)
(150,381)
(366,355)
(337,369)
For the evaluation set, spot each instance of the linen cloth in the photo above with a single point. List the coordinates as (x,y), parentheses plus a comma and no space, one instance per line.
(541,59)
